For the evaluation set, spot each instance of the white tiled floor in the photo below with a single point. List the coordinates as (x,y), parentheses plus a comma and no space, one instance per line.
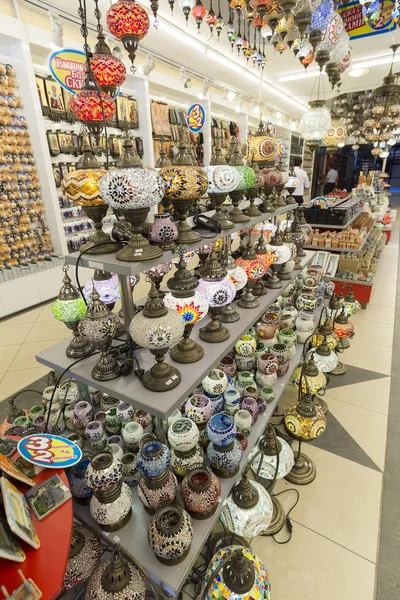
(336,522)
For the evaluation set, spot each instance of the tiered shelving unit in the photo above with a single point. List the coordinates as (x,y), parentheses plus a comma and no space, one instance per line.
(133,537)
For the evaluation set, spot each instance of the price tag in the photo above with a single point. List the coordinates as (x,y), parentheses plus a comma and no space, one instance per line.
(50,451)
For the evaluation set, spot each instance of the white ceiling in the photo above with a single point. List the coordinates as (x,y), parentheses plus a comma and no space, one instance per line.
(173,40)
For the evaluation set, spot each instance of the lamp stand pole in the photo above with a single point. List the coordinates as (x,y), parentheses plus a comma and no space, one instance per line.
(304,470)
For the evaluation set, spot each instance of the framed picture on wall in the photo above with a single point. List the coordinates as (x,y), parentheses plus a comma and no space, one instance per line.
(42,95)
(57,175)
(332,265)
(122,110)
(133,113)
(55,98)
(62,141)
(52,140)
(64,170)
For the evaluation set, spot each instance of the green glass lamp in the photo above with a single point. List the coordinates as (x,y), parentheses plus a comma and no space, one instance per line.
(69,308)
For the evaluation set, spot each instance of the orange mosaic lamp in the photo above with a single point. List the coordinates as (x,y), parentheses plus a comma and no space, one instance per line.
(92,107)
(128,22)
(108,70)
(336,134)
(82,187)
(263,147)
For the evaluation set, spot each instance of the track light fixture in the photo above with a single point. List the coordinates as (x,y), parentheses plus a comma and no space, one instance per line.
(239,105)
(201,95)
(186,81)
(231,95)
(148,66)
(57,39)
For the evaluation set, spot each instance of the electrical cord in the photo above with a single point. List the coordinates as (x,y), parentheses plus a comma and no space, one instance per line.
(202,221)
(288,522)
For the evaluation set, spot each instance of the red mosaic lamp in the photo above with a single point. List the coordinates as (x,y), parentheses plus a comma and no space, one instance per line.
(255,269)
(128,22)
(199,12)
(89,104)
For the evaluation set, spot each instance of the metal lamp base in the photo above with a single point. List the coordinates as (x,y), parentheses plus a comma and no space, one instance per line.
(297,264)
(258,288)
(224,473)
(273,283)
(107,368)
(228,314)
(161,376)
(252,210)
(344,344)
(341,369)
(237,216)
(218,200)
(138,248)
(285,276)
(248,300)
(187,351)
(303,472)
(97,214)
(321,404)
(185,233)
(278,518)
(214,332)
(78,346)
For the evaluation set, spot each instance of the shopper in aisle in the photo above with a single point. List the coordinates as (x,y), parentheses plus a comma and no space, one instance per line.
(331,180)
(304,185)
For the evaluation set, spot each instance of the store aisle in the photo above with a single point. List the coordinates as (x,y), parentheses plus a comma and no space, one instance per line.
(335,550)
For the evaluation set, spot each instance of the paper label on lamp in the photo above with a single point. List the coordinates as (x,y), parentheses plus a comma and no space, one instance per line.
(196,117)
(355,25)
(67,67)
(50,451)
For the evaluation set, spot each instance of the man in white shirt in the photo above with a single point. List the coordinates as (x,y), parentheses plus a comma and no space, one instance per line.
(331,181)
(303,186)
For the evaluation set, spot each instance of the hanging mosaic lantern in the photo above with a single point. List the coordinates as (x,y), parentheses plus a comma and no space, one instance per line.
(128,22)
(199,13)
(88,108)
(108,70)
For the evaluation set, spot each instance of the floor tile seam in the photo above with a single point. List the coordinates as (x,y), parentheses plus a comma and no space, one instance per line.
(370,342)
(355,322)
(377,412)
(375,343)
(333,541)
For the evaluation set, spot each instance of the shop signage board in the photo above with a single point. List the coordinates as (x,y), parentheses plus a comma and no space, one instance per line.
(67,67)
(196,117)
(355,25)
(50,451)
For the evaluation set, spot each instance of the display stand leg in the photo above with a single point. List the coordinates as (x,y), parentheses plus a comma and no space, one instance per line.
(128,307)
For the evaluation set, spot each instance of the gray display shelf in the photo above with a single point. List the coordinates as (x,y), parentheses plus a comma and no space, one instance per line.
(133,536)
(109,262)
(162,404)
(326,226)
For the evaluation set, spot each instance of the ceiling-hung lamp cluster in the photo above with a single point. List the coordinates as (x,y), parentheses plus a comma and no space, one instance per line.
(219,25)
(108,70)
(211,19)
(128,22)
(186,6)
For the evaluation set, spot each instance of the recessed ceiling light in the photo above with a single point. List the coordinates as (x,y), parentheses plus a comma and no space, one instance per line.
(358,72)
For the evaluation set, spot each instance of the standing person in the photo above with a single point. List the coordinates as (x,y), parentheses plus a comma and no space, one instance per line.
(331,181)
(304,184)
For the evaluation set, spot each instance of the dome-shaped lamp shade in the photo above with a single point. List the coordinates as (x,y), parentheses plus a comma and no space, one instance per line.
(190,309)
(222,179)
(158,328)
(184,182)
(217,293)
(238,276)
(87,107)
(82,187)
(254,268)
(248,509)
(304,427)
(241,576)
(247,177)
(336,134)
(116,578)
(316,121)
(108,289)
(271,177)
(128,22)
(132,188)
(262,148)
(108,71)
(264,464)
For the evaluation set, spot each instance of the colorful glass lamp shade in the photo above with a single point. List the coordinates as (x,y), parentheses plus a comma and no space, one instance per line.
(108,70)
(133,190)
(91,106)
(222,179)
(107,286)
(129,22)
(282,254)
(247,178)
(344,329)
(336,135)
(236,572)
(218,291)
(271,459)
(325,359)
(82,187)
(304,421)
(192,306)
(248,509)
(70,308)
(263,147)
(315,122)
(98,327)
(314,379)
(184,184)
(158,328)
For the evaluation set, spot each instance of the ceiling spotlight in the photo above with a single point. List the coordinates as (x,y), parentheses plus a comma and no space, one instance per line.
(278,114)
(239,105)
(187,82)
(358,72)
(201,95)
(231,95)
(256,109)
(148,66)
(57,40)
(292,125)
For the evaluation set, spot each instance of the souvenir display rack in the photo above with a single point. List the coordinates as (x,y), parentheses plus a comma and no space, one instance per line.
(222,131)
(134,535)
